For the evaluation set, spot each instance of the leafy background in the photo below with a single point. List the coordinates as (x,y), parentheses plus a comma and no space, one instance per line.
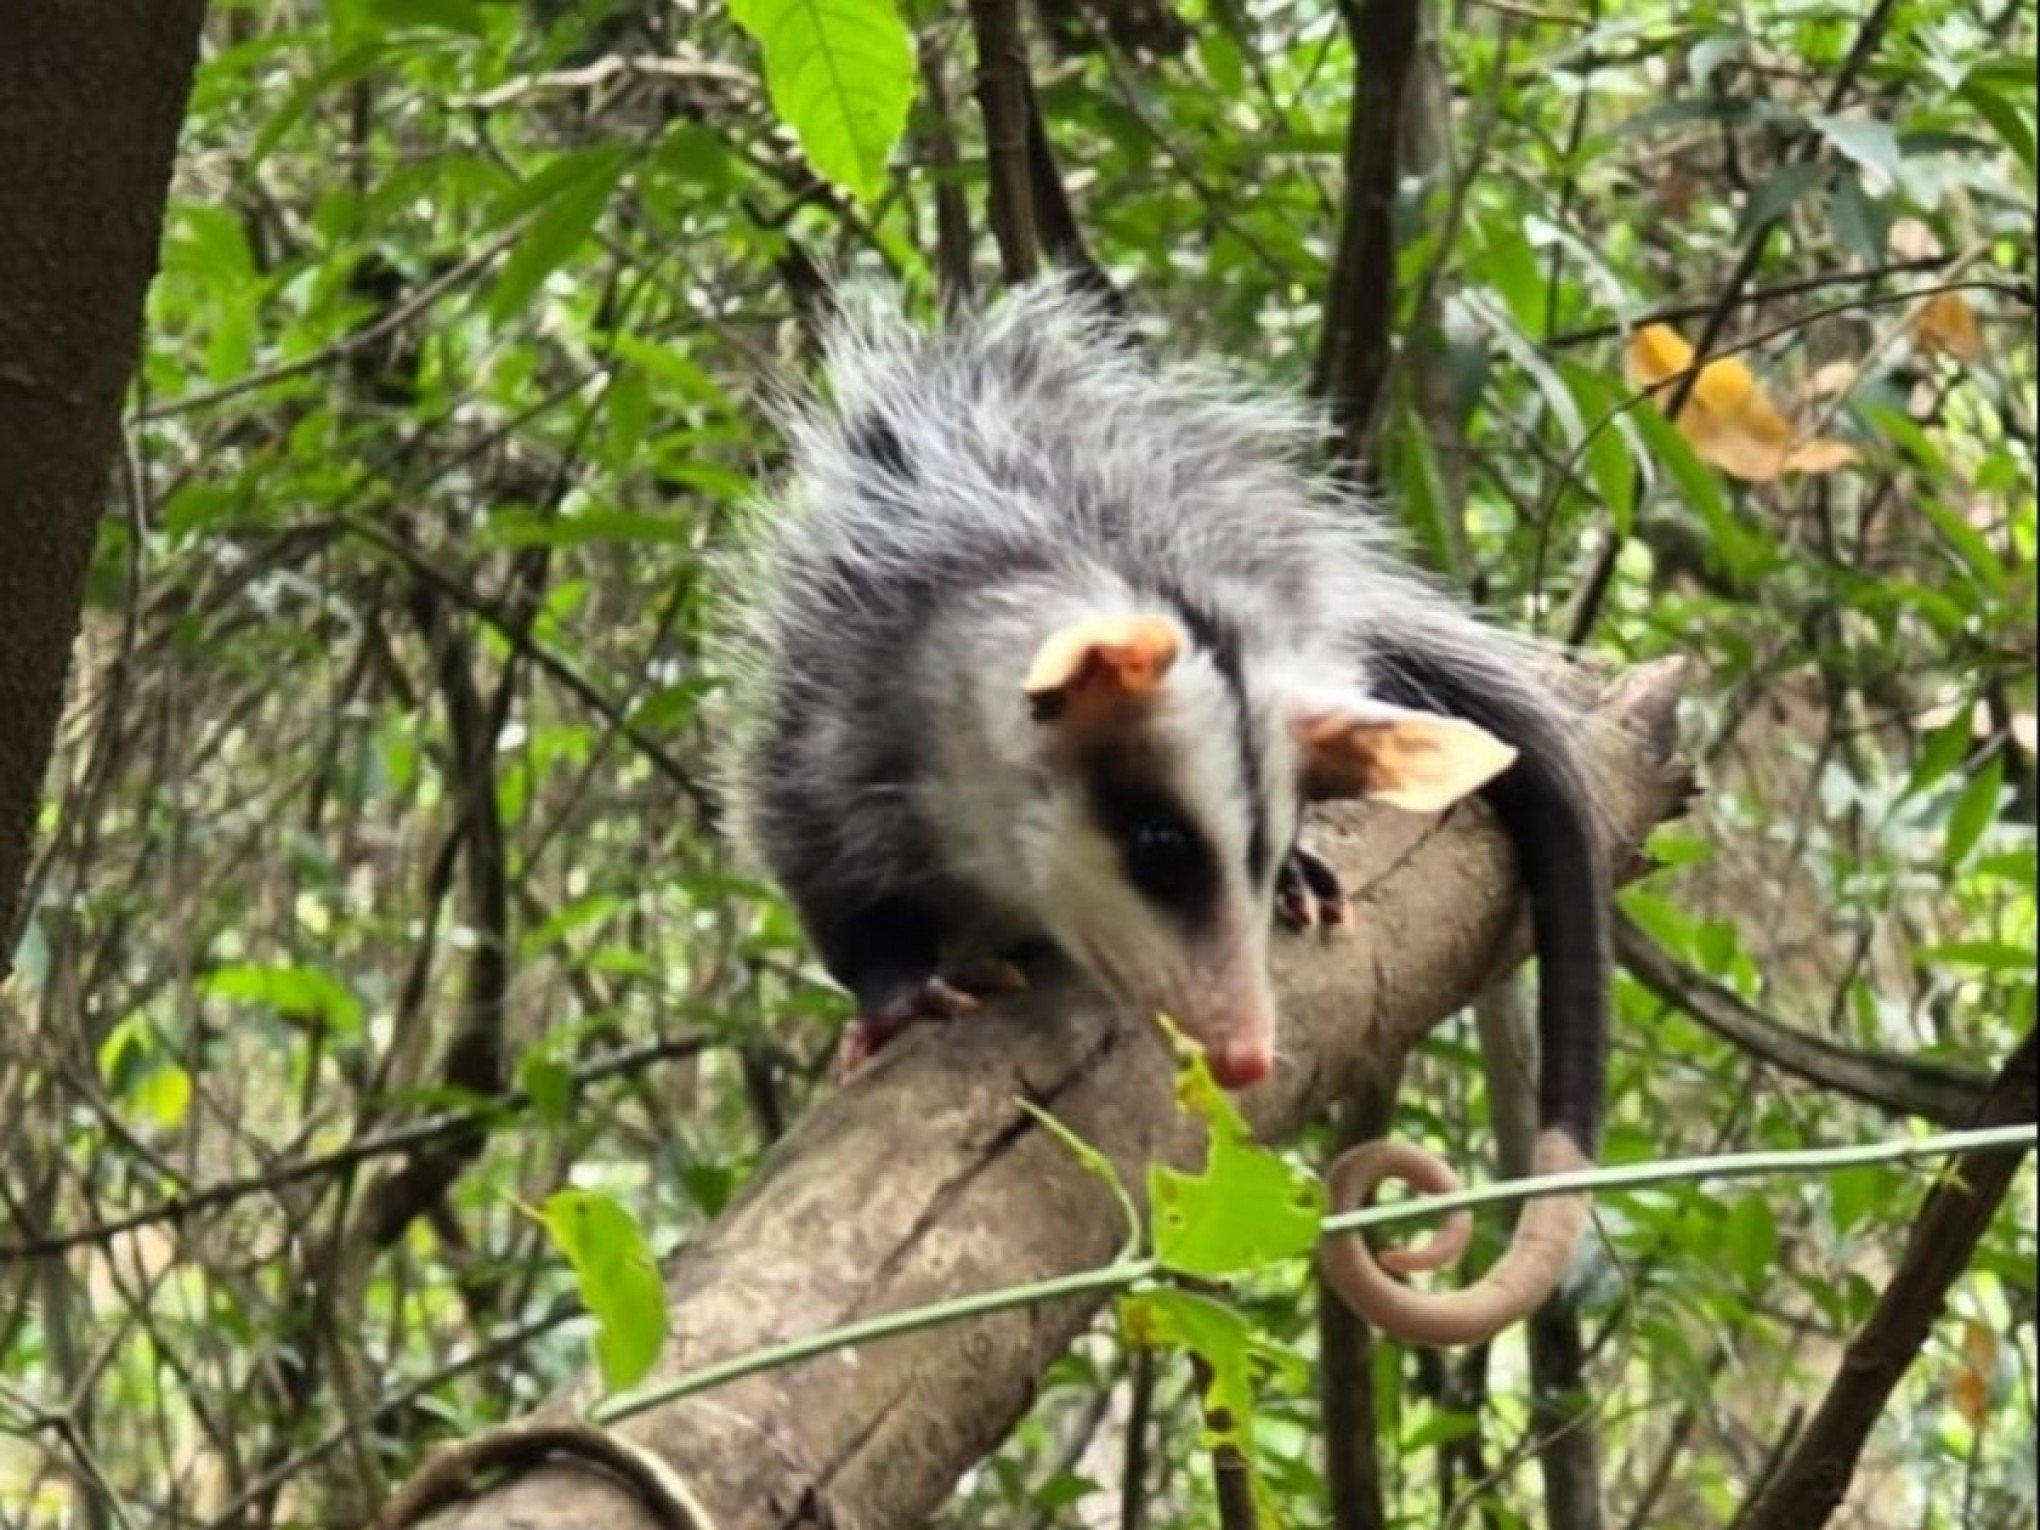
(458,372)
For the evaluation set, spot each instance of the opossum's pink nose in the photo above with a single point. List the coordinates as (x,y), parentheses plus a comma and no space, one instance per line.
(1240,1062)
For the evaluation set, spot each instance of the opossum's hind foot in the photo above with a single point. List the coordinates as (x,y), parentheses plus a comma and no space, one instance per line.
(1308,895)
(941,996)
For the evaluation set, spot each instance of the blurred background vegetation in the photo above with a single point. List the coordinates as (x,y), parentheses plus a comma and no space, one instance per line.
(383,797)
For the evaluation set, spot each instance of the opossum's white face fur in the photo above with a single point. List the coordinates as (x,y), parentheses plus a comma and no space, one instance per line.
(1173,775)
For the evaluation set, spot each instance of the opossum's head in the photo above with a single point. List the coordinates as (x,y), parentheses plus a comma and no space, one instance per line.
(1176,768)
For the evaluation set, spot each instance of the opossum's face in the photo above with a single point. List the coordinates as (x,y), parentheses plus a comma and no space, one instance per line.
(1177,778)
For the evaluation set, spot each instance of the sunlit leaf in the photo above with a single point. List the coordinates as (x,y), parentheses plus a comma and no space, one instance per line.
(1974,811)
(1728,417)
(1247,1208)
(302,993)
(841,75)
(164,1094)
(568,215)
(1224,1339)
(619,1281)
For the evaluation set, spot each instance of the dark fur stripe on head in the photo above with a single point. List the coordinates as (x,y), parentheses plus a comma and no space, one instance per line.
(1219,638)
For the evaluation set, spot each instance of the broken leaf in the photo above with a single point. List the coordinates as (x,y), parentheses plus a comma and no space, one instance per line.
(1728,418)
(1247,1208)
(1232,1352)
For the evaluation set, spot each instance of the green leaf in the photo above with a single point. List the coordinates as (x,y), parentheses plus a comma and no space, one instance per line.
(1613,448)
(1557,397)
(1992,955)
(344,70)
(463,16)
(133,1068)
(1426,509)
(124,1053)
(519,526)
(841,75)
(576,194)
(164,1093)
(1751,1237)
(1974,811)
(1860,223)
(1868,141)
(1247,1208)
(1442,1427)
(1854,1193)
(1225,1341)
(618,1278)
(1970,545)
(1943,751)
(1778,191)
(548,1083)
(302,993)
(2005,119)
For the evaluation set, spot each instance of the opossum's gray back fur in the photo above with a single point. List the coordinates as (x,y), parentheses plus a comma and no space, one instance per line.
(1029,442)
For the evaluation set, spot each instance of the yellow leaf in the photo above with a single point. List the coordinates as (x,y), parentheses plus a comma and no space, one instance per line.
(1948,324)
(1970,1390)
(1728,418)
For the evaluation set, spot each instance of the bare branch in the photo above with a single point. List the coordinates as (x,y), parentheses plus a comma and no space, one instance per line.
(1002,94)
(1810,1481)
(1902,1085)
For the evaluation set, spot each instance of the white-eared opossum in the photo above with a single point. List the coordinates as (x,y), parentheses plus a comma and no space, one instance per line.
(1051,647)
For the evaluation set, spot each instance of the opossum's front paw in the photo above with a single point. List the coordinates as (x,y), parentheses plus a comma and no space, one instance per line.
(1308,895)
(941,996)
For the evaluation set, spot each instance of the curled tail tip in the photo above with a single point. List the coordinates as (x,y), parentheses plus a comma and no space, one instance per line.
(1532,1268)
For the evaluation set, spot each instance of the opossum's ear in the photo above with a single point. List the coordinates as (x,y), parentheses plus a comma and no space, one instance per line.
(1097,664)
(1417,760)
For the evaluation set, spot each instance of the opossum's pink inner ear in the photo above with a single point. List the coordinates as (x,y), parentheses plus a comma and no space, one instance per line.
(1094,666)
(1416,760)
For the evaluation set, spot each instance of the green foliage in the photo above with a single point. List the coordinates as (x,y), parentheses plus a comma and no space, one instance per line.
(463,354)
(1246,1208)
(841,73)
(618,1279)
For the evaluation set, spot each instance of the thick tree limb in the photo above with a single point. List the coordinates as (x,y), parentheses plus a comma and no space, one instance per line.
(90,97)
(1002,95)
(1354,348)
(925,1179)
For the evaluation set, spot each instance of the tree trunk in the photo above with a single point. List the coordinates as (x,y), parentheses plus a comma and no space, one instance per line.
(925,1179)
(91,95)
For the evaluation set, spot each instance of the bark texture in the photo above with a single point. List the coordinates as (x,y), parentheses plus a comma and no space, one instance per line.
(924,1179)
(91,94)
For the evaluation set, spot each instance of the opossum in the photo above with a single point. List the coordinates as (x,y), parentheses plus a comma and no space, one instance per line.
(1051,646)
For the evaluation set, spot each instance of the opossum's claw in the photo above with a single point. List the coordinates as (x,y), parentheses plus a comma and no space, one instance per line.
(1308,895)
(940,996)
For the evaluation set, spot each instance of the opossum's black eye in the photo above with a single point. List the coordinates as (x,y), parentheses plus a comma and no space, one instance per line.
(1167,859)
(1159,855)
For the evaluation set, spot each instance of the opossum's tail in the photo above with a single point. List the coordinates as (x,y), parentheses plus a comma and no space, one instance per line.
(1546,803)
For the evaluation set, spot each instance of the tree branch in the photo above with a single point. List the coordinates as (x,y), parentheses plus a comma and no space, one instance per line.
(91,95)
(1002,95)
(926,1177)
(1810,1482)
(1903,1085)
(1353,351)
